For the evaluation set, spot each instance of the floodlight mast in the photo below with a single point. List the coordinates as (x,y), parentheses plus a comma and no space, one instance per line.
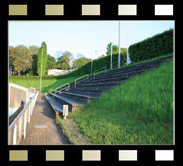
(41,66)
(111,55)
(119,47)
(127,57)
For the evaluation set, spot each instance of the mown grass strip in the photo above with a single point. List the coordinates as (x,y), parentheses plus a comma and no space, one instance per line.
(47,85)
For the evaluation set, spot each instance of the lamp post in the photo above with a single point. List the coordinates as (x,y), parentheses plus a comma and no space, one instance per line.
(119,58)
(111,56)
(41,66)
(96,52)
(128,61)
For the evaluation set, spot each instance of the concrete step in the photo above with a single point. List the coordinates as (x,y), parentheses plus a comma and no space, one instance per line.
(117,73)
(57,107)
(84,99)
(106,88)
(143,66)
(124,69)
(100,84)
(118,77)
(73,105)
(89,92)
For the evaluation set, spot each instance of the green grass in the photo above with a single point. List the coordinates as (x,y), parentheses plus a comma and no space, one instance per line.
(47,85)
(139,111)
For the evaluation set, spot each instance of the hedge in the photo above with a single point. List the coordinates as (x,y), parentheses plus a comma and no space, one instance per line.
(31,77)
(97,64)
(160,44)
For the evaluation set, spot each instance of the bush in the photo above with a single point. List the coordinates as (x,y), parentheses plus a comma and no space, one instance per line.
(160,44)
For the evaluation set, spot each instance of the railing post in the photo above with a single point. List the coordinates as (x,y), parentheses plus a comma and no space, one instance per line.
(29,114)
(65,111)
(15,134)
(57,115)
(30,108)
(25,124)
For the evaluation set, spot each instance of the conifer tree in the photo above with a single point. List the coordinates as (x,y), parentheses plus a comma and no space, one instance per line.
(42,52)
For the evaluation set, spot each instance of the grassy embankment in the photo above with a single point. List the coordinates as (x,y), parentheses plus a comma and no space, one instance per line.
(139,111)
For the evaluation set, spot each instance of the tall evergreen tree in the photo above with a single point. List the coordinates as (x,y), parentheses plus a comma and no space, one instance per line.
(42,52)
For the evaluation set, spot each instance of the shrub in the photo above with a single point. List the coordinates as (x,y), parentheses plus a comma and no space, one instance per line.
(160,44)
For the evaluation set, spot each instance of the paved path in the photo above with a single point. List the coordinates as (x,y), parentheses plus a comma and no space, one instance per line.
(42,129)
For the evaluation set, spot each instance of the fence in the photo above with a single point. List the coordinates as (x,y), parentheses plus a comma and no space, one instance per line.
(17,129)
(80,79)
(62,87)
(101,70)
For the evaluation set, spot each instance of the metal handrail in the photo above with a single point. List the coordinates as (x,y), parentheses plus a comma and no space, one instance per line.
(17,128)
(62,88)
(105,69)
(14,121)
(75,82)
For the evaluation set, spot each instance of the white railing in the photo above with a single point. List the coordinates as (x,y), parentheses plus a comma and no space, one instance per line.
(101,70)
(76,80)
(115,64)
(17,129)
(64,87)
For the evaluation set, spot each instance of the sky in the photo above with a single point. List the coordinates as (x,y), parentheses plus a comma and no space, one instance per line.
(89,38)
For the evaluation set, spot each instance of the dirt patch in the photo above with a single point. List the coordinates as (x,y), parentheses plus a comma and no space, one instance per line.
(73,132)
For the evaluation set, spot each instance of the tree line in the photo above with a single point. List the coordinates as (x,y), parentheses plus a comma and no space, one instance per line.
(27,60)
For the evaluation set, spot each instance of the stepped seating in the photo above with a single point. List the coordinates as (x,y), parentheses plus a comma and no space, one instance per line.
(86,91)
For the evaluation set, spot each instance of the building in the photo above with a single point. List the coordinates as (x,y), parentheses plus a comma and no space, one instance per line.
(56,72)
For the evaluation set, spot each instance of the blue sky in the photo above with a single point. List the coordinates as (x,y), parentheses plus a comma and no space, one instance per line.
(82,37)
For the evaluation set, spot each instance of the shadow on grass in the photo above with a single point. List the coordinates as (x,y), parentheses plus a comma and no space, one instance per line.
(51,87)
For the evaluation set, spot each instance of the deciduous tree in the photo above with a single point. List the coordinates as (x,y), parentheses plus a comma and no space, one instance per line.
(51,62)
(64,61)
(80,61)
(20,58)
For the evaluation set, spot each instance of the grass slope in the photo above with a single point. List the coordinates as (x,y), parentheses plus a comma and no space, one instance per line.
(139,111)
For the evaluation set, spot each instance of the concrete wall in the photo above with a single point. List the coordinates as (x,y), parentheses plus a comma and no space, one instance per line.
(17,94)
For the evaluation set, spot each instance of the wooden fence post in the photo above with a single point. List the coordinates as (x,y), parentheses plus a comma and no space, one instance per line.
(25,124)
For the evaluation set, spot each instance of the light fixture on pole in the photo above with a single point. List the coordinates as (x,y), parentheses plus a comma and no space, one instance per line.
(119,58)
(111,49)
(96,52)
(41,66)
(128,61)
(111,56)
